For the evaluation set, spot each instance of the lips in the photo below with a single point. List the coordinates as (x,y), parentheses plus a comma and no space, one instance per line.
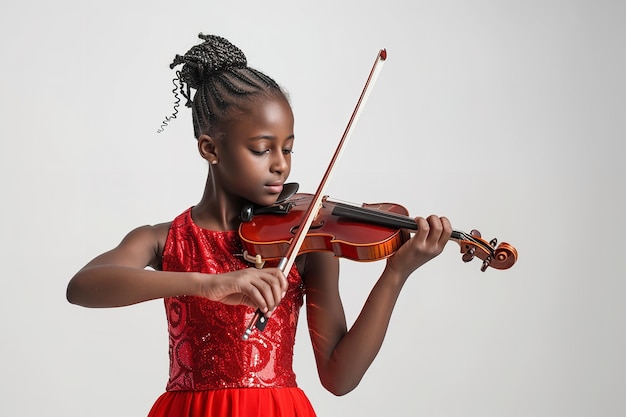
(274,188)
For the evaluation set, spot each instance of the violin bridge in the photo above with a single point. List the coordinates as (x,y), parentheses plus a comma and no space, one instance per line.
(319,207)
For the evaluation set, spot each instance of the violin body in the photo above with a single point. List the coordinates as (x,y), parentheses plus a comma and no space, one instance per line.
(269,235)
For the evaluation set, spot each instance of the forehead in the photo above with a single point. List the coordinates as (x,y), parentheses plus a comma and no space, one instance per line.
(261,116)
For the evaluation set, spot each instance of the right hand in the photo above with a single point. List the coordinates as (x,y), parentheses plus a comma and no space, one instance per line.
(253,287)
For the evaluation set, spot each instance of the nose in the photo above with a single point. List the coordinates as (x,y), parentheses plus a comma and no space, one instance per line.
(280,162)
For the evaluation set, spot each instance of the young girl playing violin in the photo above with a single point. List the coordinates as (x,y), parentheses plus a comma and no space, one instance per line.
(243,124)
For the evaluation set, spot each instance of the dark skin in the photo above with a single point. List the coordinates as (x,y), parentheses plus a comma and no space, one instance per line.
(250,162)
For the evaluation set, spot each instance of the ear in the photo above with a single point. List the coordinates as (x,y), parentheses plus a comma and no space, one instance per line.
(207,146)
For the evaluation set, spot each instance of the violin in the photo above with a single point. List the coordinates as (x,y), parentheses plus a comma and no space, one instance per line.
(301,223)
(368,232)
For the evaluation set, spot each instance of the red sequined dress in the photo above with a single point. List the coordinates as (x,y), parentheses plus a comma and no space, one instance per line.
(213,372)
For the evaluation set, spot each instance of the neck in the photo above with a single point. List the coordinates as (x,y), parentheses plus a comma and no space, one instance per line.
(217,210)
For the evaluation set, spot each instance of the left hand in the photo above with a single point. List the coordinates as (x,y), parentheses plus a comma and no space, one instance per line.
(431,237)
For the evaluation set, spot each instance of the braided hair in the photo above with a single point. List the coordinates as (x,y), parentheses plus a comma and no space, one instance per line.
(219,73)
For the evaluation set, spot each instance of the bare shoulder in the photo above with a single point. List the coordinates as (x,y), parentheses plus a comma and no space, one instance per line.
(154,233)
(141,247)
(150,238)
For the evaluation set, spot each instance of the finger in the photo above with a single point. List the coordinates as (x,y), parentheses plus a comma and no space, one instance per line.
(272,290)
(436,228)
(447,230)
(275,286)
(256,297)
(284,284)
(256,287)
(277,282)
(423,229)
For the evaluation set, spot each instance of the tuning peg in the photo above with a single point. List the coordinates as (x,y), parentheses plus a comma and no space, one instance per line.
(469,255)
(486,263)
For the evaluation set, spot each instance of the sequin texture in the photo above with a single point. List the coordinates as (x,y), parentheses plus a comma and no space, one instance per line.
(205,346)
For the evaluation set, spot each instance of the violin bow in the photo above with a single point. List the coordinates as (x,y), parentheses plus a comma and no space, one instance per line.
(286,262)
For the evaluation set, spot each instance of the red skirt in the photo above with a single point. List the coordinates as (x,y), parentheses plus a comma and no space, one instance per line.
(234,402)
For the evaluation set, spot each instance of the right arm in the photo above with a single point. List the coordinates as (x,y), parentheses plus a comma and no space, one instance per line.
(119,277)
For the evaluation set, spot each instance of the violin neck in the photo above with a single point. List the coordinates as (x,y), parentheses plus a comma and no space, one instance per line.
(472,245)
(382,218)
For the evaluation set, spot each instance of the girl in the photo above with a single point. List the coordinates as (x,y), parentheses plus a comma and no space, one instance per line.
(243,124)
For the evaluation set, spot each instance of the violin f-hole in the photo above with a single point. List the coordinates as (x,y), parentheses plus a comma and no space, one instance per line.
(318,225)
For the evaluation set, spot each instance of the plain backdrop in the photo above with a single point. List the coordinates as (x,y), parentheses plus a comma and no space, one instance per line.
(506,116)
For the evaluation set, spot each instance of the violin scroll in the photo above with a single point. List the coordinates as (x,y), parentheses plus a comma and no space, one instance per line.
(472,245)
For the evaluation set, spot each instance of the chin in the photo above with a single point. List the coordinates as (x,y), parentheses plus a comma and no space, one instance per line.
(270,200)
(265,200)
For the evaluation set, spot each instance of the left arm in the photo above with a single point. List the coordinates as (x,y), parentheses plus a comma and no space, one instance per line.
(343,356)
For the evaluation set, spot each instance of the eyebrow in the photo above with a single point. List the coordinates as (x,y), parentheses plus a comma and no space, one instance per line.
(269,137)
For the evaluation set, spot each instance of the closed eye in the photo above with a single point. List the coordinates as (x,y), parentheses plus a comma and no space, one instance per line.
(266,151)
(263,145)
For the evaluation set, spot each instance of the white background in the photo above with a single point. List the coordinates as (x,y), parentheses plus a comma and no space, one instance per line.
(505,116)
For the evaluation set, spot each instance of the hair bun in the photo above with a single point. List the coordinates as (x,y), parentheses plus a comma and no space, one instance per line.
(213,55)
